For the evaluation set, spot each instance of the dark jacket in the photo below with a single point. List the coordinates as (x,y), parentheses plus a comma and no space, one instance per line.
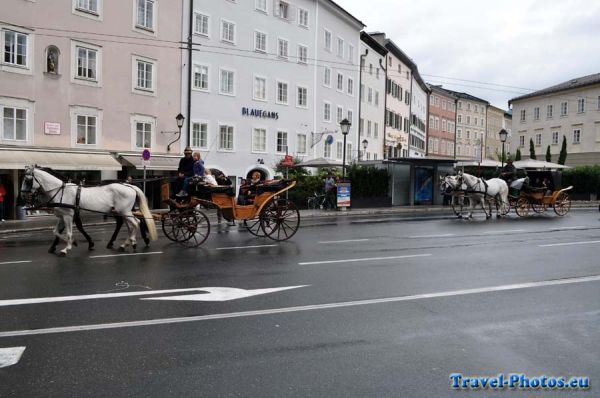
(186,166)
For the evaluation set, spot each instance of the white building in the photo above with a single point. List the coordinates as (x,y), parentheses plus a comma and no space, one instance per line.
(371,137)
(266,81)
(418,115)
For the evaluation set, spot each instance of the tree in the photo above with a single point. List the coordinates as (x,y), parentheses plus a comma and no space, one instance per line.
(562,157)
(548,154)
(531,149)
(518,155)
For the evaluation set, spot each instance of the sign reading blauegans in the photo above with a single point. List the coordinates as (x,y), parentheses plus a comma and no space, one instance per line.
(260,113)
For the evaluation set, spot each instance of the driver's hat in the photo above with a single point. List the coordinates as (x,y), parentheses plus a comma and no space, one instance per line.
(187,150)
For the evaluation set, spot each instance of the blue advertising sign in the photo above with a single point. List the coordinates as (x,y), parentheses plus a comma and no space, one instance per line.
(343,194)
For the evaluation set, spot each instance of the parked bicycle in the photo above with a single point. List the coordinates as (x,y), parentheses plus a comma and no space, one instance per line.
(316,201)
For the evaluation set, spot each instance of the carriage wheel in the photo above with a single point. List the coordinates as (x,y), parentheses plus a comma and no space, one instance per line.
(562,204)
(522,207)
(280,219)
(503,208)
(538,207)
(253,226)
(195,228)
(171,228)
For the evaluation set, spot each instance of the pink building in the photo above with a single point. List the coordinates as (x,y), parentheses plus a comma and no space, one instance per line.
(441,129)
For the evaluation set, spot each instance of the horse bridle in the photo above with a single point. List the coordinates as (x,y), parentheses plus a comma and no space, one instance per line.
(31,196)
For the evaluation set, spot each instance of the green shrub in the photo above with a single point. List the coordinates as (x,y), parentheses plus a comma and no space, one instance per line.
(368,182)
(585,179)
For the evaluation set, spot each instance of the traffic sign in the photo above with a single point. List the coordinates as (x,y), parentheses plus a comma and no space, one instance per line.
(146,154)
(288,161)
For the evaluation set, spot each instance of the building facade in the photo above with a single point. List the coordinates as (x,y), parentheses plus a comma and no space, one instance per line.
(495,123)
(371,137)
(76,97)
(271,78)
(418,115)
(441,129)
(471,113)
(570,109)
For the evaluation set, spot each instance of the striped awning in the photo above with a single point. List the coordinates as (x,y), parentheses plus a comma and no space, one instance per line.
(17,159)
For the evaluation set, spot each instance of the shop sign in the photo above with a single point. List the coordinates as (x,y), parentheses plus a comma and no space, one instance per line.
(260,113)
(51,128)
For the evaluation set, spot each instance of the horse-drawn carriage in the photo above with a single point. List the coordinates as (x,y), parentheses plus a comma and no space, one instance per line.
(538,191)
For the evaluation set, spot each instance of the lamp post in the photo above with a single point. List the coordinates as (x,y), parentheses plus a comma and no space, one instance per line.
(503,135)
(179,119)
(365,144)
(345,126)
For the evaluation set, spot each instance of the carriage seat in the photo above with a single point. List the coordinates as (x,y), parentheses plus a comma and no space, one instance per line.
(272,186)
(202,189)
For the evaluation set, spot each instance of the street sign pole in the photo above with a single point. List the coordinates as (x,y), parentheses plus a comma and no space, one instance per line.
(146,158)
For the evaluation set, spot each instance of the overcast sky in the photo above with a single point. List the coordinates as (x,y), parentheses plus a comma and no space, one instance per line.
(530,44)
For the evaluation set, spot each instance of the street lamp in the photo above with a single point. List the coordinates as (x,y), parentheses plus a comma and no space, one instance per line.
(365,144)
(345,126)
(503,135)
(179,119)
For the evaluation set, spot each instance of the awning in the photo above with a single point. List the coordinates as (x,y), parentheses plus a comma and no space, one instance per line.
(16,159)
(156,162)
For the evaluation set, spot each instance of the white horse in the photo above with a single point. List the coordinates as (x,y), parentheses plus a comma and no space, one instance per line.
(449,185)
(478,191)
(112,198)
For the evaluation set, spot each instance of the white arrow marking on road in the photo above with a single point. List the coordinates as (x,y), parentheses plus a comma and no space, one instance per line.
(10,356)
(229,293)
(222,294)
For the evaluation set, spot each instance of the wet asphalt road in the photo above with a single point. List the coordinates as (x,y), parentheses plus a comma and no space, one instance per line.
(387,307)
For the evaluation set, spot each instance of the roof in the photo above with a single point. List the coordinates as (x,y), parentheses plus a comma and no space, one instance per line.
(336,5)
(572,84)
(440,90)
(374,44)
(466,96)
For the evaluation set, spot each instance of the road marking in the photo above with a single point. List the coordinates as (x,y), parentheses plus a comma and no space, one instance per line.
(284,310)
(10,356)
(125,254)
(353,260)
(15,262)
(223,294)
(566,228)
(504,231)
(243,247)
(343,241)
(589,242)
(431,236)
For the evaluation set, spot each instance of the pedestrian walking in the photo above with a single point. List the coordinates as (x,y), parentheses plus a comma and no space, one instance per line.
(2,195)
(329,193)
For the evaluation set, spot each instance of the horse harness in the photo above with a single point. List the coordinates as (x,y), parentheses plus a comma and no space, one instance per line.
(49,203)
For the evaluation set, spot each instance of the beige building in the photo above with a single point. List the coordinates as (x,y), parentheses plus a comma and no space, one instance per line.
(86,85)
(570,109)
(470,126)
(495,123)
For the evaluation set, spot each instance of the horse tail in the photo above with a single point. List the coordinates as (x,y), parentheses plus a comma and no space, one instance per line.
(143,203)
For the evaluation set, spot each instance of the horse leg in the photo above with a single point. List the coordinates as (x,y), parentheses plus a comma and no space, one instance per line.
(132,227)
(144,232)
(58,234)
(68,220)
(119,220)
(79,226)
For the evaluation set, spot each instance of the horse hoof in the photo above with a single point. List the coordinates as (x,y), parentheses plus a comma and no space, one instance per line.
(147,241)
(459,216)
(75,243)
(109,246)
(51,250)
(121,249)
(62,254)
(91,246)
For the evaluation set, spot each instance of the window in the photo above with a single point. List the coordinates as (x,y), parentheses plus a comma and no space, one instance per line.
(228,32)
(201,77)
(564,108)
(444,125)
(350,116)
(90,6)
(459,104)
(555,138)
(301,144)
(260,88)
(226,138)
(260,41)
(437,123)
(199,135)
(475,121)
(282,9)
(536,113)
(15,48)
(261,5)
(576,136)
(377,77)
(86,63)
(351,56)
(376,98)
(459,133)
(145,14)
(468,134)
(144,75)
(339,150)
(327,112)
(362,92)
(468,106)
(370,69)
(538,139)
(468,119)
(581,105)
(282,48)
(444,104)
(599,102)
(302,99)
(522,115)
(259,140)
(340,47)
(340,82)
(375,130)
(201,24)
(86,130)
(460,118)
(143,135)
(350,86)
(303,18)
(302,54)
(431,119)
(361,125)
(327,40)
(549,110)
(227,82)
(340,114)
(282,93)
(327,150)
(370,95)
(14,124)
(327,77)
(282,139)
(368,128)
(521,141)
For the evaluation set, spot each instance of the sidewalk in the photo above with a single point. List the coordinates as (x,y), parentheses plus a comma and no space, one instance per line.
(41,223)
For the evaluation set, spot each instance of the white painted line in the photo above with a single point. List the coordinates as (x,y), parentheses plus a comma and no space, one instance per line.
(343,241)
(354,260)
(567,228)
(589,242)
(125,254)
(431,236)
(243,247)
(15,262)
(504,231)
(165,321)
(10,356)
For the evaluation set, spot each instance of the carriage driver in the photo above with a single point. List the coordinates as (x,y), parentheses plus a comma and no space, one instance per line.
(198,170)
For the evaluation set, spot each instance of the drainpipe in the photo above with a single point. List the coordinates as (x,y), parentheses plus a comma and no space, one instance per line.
(189,76)
(360,70)
(428,126)
(410,110)
(455,125)
(384,102)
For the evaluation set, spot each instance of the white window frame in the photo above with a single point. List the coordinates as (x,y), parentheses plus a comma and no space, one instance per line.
(193,77)
(577,134)
(266,80)
(326,70)
(86,111)
(581,105)
(222,30)
(15,103)
(350,115)
(256,48)
(339,114)
(134,120)
(143,28)
(337,82)
(226,124)
(298,104)
(300,11)
(200,122)
(198,14)
(523,116)
(287,96)
(350,86)
(549,111)
(14,67)
(74,64)
(254,141)
(280,47)
(536,113)
(521,141)
(564,106)
(325,35)
(538,139)
(555,137)
(87,13)
(339,149)
(324,114)
(299,147)
(375,130)
(340,47)
(257,6)
(287,141)
(351,55)
(302,58)
(134,78)
(221,70)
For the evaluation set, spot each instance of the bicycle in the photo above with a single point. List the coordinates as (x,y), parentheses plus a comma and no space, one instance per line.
(316,201)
